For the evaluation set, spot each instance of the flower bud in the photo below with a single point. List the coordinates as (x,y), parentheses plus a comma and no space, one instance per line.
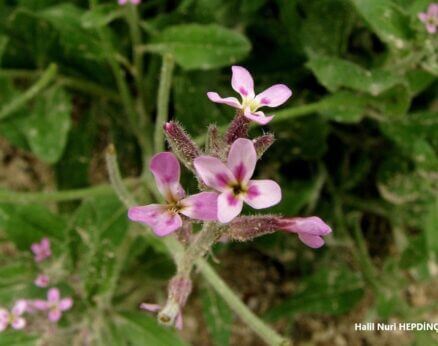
(262,143)
(310,230)
(181,143)
(215,144)
(238,128)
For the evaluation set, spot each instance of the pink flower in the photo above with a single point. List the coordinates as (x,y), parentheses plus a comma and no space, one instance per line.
(165,218)
(243,83)
(155,307)
(430,18)
(42,280)
(13,318)
(55,305)
(309,229)
(124,2)
(233,181)
(41,250)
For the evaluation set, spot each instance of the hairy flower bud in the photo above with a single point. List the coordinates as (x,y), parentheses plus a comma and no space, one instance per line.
(238,128)
(215,144)
(181,143)
(309,229)
(263,143)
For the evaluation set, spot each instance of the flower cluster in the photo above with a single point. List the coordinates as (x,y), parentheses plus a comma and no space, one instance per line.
(224,171)
(430,18)
(53,306)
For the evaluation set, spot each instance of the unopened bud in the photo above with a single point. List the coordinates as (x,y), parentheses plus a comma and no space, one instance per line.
(246,228)
(181,143)
(238,128)
(263,143)
(215,144)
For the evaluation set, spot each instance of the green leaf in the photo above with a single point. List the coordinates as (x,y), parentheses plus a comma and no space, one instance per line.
(431,227)
(344,106)
(3,43)
(328,292)
(387,20)
(18,338)
(26,224)
(196,46)
(218,317)
(330,35)
(335,73)
(101,15)
(140,329)
(48,126)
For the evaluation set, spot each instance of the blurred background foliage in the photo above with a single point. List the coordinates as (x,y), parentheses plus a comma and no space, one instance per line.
(357,145)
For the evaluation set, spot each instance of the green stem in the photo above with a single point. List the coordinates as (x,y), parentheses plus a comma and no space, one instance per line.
(69,82)
(163,100)
(30,93)
(59,196)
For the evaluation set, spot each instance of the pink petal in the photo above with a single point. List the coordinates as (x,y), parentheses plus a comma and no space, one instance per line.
(422,16)
(45,244)
(202,206)
(274,96)
(150,307)
(40,304)
(166,170)
(431,28)
(263,194)
(312,225)
(228,206)
(19,307)
(122,2)
(179,322)
(242,82)
(213,172)
(433,10)
(242,159)
(4,319)
(157,217)
(312,241)
(65,304)
(18,323)
(53,295)
(54,315)
(259,117)
(230,101)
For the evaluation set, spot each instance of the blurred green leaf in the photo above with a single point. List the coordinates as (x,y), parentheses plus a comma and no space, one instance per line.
(335,73)
(196,46)
(387,20)
(328,36)
(328,292)
(101,15)
(48,126)
(18,338)
(26,224)
(140,329)
(3,43)
(218,317)
(344,106)
(431,227)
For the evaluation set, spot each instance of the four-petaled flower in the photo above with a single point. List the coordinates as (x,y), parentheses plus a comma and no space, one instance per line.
(165,218)
(13,317)
(309,229)
(124,2)
(430,18)
(54,304)
(243,83)
(233,181)
(155,307)
(41,250)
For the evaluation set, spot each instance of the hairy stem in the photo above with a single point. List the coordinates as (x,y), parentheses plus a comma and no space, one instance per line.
(163,100)
(30,93)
